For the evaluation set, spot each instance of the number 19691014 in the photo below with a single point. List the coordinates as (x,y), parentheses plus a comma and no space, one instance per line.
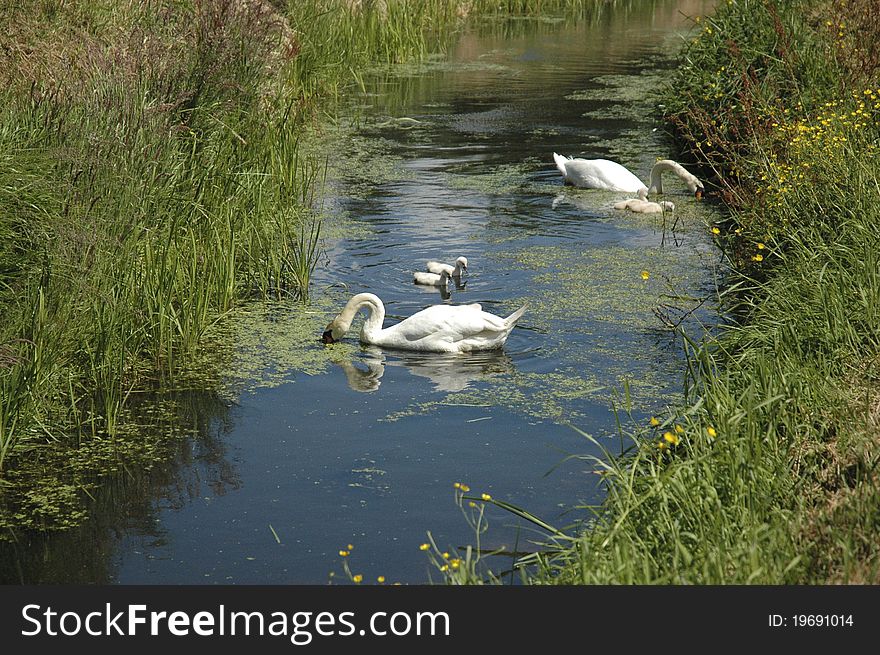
(810,620)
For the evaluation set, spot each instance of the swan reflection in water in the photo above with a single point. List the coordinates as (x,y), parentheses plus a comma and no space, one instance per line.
(445,292)
(448,372)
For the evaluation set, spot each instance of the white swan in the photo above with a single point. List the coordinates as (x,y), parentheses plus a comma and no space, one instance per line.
(461,264)
(431,279)
(440,328)
(611,176)
(642,205)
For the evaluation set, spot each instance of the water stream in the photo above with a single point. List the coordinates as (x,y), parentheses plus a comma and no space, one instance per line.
(309,449)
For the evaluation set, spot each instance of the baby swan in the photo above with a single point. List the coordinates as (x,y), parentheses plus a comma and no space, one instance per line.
(439,328)
(431,279)
(642,205)
(461,264)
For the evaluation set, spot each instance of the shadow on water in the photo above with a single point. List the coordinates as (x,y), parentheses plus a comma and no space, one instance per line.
(128,505)
(308,448)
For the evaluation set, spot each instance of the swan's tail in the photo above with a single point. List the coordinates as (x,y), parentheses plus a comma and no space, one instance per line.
(513,318)
(560,162)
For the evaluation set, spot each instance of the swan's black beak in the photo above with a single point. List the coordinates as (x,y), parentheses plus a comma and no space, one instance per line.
(327,337)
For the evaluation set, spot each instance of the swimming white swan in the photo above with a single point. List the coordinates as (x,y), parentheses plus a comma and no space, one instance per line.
(431,279)
(440,328)
(611,176)
(642,205)
(461,264)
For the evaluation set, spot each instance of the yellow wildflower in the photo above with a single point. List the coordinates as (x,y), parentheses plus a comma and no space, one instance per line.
(672,438)
(711,432)
(380,579)
(357,578)
(424,547)
(645,275)
(654,422)
(758,258)
(486,497)
(343,553)
(715,230)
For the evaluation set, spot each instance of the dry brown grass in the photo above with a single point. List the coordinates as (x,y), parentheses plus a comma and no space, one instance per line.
(61,52)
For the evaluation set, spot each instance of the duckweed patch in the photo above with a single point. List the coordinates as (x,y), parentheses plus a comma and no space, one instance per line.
(630,91)
(371,478)
(49,484)
(503,179)
(368,162)
(265,345)
(605,284)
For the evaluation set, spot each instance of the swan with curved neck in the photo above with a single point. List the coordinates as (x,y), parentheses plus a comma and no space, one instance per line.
(611,176)
(642,205)
(440,328)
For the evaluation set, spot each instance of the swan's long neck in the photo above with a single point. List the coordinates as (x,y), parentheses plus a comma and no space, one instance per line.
(375,316)
(656,185)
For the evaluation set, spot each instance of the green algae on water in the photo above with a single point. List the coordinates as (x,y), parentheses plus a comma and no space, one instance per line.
(267,344)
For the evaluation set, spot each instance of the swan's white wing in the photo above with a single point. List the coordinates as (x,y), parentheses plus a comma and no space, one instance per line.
(604,174)
(446,327)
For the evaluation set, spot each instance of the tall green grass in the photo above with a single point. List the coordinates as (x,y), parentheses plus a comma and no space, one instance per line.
(156,168)
(152,178)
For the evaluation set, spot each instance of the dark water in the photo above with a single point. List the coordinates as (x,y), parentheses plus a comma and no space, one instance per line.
(311,449)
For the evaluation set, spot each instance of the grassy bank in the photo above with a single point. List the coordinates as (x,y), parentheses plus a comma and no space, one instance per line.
(154,175)
(768,472)
(151,179)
